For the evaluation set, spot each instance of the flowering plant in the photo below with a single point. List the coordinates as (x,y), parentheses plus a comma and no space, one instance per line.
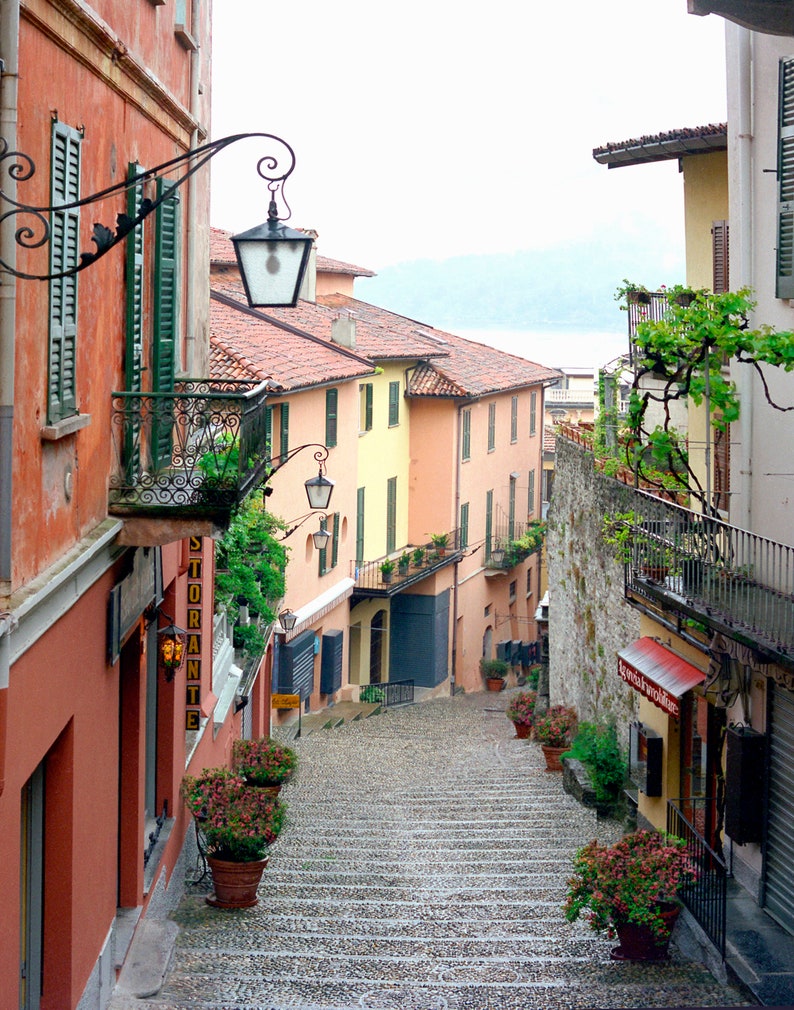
(263,761)
(557,727)
(238,822)
(628,882)
(522,707)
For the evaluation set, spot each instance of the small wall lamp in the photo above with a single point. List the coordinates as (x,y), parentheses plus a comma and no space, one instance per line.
(288,619)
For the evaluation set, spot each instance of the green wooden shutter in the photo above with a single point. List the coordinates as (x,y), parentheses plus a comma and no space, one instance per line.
(465,451)
(335,542)
(464,526)
(531,493)
(268,433)
(133,351)
(360,497)
(785,175)
(488,523)
(331,405)
(394,404)
(284,430)
(511,509)
(491,427)
(391,514)
(533,413)
(64,251)
(368,407)
(720,257)
(514,419)
(322,561)
(166,315)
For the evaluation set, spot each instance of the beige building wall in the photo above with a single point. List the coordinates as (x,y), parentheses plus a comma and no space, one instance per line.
(705,201)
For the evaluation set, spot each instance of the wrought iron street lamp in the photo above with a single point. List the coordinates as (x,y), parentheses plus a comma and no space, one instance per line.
(272,257)
(498,554)
(318,489)
(288,619)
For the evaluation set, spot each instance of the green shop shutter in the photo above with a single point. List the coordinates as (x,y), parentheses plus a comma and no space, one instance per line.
(785,175)
(64,252)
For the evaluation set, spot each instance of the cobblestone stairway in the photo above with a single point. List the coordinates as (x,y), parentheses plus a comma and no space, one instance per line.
(423,868)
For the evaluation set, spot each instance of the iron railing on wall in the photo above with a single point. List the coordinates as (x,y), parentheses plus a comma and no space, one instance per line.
(728,575)
(398,692)
(706,896)
(422,559)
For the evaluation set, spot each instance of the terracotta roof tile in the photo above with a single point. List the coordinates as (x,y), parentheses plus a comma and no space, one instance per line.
(663,146)
(243,338)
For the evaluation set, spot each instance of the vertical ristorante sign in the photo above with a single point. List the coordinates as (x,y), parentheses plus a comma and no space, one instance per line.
(195,610)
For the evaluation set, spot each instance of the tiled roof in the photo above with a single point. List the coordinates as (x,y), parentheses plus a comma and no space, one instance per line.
(244,341)
(461,367)
(329,266)
(549,439)
(663,146)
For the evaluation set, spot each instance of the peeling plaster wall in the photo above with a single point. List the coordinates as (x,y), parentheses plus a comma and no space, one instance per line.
(589,619)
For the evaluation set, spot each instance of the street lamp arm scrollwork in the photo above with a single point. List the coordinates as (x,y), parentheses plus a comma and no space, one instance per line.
(34,229)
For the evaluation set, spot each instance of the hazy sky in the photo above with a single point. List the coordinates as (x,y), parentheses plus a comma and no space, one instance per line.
(433,128)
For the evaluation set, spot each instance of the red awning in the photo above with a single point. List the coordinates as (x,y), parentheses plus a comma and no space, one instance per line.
(658,674)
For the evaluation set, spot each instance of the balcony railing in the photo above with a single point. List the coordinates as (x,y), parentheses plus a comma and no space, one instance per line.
(423,560)
(732,580)
(389,694)
(193,452)
(706,896)
(509,536)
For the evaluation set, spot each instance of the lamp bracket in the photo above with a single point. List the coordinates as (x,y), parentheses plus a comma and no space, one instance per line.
(295,524)
(320,456)
(37,232)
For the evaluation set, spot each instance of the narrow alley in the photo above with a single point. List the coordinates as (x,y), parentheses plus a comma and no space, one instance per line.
(423,868)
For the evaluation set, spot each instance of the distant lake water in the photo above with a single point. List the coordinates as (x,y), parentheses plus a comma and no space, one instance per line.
(554,348)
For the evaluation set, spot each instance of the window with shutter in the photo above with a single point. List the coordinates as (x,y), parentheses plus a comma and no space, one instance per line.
(360,498)
(491,427)
(64,252)
(331,404)
(365,406)
(322,560)
(531,494)
(394,404)
(391,514)
(464,526)
(722,468)
(785,175)
(269,433)
(465,449)
(335,541)
(720,250)
(488,523)
(284,432)
(511,509)
(165,316)
(514,419)
(133,352)
(533,413)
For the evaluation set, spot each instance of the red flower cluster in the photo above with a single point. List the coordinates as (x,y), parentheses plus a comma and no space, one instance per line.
(264,761)
(238,821)
(522,707)
(628,882)
(557,727)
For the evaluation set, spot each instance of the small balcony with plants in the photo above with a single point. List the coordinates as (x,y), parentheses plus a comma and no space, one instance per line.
(512,543)
(707,575)
(194,452)
(405,567)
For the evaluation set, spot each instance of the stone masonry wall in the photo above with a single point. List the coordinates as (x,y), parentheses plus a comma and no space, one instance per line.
(589,619)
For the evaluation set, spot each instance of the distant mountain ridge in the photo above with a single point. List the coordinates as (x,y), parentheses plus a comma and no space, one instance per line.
(571,286)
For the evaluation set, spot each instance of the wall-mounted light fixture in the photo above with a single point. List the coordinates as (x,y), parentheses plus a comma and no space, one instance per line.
(498,554)
(171,643)
(272,257)
(318,489)
(288,619)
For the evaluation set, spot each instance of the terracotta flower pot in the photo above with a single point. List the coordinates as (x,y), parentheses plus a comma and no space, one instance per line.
(235,883)
(639,943)
(523,730)
(495,683)
(552,755)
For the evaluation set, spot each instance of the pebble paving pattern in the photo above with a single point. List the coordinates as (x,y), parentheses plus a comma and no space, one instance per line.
(423,868)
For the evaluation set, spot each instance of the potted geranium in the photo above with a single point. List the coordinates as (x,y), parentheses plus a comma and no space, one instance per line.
(554,731)
(264,762)
(628,890)
(521,712)
(239,824)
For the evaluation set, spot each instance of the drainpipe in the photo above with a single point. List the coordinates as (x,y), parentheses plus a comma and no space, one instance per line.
(456,566)
(741,50)
(9,52)
(9,49)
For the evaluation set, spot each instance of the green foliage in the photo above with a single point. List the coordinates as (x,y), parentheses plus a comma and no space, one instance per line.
(494,668)
(250,566)
(596,746)
(686,350)
(371,694)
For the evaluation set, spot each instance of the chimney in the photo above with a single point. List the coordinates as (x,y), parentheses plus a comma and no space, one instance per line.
(343,330)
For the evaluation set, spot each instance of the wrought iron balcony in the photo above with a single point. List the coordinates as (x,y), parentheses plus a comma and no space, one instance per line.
(195,452)
(518,541)
(703,569)
(410,565)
